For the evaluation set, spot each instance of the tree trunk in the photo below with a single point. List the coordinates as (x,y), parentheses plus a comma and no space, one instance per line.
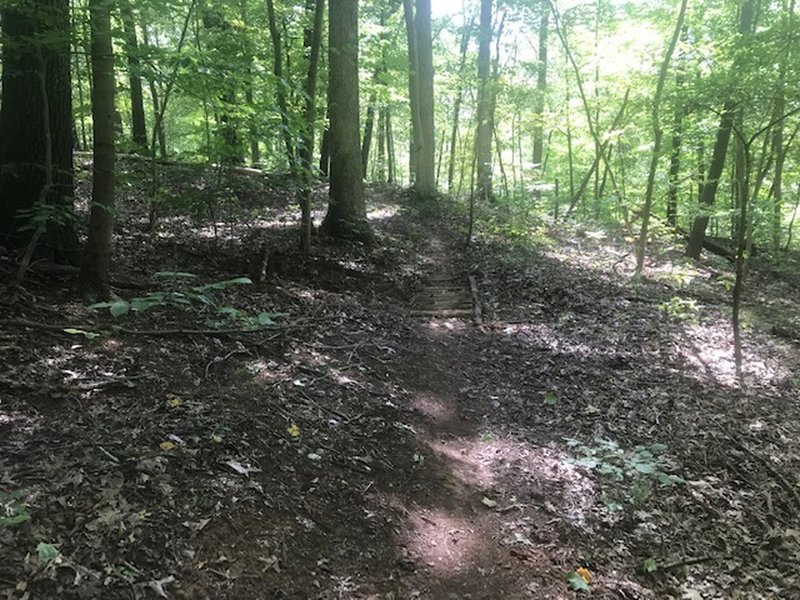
(346,216)
(451,169)
(369,125)
(483,142)
(155,98)
(709,193)
(425,183)
(325,151)
(312,42)
(541,90)
(36,123)
(675,161)
(379,171)
(391,157)
(658,134)
(280,85)
(138,125)
(776,191)
(413,88)
(94,276)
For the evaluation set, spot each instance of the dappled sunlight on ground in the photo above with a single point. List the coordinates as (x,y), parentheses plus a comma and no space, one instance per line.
(383,212)
(708,347)
(443,327)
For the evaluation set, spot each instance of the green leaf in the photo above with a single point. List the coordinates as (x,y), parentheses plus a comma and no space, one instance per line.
(650,565)
(576,582)
(645,467)
(46,552)
(97,305)
(550,399)
(119,308)
(667,480)
(589,462)
(15,519)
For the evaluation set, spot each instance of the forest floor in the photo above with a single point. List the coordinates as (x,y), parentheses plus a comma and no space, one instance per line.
(582,434)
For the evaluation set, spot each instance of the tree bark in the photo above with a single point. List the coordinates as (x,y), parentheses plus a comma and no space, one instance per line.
(391,157)
(281,85)
(413,88)
(138,125)
(313,43)
(369,125)
(379,172)
(346,216)
(425,183)
(483,141)
(36,94)
(95,270)
(541,90)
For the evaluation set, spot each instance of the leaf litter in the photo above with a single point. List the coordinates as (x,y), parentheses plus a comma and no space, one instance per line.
(352,458)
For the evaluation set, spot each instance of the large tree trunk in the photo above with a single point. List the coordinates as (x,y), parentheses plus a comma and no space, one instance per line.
(346,216)
(425,183)
(138,125)
(36,125)
(94,277)
(483,142)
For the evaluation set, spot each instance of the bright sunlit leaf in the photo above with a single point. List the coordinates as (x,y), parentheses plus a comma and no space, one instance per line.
(576,582)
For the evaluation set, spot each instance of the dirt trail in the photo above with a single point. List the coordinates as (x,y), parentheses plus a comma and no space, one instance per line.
(460,519)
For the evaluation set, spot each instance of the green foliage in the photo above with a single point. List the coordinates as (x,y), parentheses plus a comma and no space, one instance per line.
(197,298)
(47,552)
(650,565)
(13,510)
(43,214)
(680,308)
(641,467)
